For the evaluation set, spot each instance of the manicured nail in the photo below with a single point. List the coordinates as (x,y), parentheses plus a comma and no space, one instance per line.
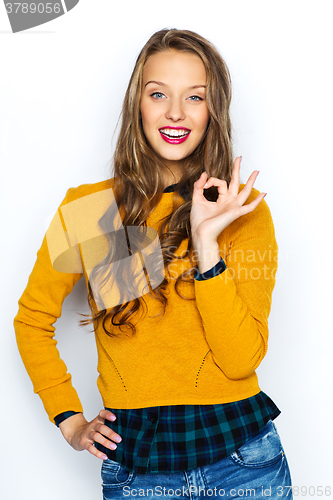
(104,457)
(265,195)
(113,418)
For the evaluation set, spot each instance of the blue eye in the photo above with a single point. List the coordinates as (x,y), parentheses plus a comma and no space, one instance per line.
(196,97)
(158,93)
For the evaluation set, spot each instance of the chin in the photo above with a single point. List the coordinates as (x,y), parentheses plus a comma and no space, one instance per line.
(176,156)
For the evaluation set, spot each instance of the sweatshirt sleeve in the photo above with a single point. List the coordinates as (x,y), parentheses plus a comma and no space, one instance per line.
(235,305)
(39,307)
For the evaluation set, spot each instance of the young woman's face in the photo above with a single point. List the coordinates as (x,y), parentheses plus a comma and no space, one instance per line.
(173,104)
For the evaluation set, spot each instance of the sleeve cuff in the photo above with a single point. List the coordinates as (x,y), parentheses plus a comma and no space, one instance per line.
(211,273)
(62,416)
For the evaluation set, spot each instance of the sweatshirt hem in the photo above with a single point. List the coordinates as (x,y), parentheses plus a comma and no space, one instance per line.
(180,401)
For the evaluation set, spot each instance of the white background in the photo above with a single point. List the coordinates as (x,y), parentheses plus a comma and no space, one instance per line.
(61,90)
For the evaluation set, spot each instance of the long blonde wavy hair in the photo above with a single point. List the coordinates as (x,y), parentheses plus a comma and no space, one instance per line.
(138,179)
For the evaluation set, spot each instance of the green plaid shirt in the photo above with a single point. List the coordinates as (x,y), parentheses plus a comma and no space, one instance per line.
(184,437)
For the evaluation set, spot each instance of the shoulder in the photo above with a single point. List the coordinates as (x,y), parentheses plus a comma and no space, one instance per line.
(74,193)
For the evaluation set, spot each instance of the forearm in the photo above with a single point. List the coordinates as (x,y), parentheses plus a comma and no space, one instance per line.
(237,336)
(46,369)
(235,305)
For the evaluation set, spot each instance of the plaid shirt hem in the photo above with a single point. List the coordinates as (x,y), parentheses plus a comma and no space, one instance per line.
(184,437)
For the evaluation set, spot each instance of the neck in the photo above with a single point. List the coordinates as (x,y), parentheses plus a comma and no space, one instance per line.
(172,174)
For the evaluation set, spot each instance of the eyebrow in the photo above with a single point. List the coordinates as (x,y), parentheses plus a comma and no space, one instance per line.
(165,85)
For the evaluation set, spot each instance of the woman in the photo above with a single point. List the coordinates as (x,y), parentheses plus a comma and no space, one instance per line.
(179,261)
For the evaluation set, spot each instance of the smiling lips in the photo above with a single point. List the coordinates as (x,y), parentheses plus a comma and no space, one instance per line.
(174,135)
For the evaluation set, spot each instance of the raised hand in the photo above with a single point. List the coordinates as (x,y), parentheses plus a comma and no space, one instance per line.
(209,219)
(82,435)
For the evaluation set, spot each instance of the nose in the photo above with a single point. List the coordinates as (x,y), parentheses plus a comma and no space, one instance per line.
(175,110)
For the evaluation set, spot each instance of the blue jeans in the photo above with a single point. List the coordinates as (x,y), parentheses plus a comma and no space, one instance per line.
(258,469)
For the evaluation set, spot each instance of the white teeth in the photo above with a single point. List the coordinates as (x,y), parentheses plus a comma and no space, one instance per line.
(174,133)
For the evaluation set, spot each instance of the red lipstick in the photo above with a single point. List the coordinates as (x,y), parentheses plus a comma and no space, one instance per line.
(174,139)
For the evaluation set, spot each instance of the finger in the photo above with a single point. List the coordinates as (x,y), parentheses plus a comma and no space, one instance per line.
(107,415)
(234,183)
(94,451)
(245,209)
(109,433)
(97,437)
(222,187)
(98,428)
(246,191)
(221,184)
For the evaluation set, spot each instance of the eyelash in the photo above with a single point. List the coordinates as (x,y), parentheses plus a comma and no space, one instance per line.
(199,98)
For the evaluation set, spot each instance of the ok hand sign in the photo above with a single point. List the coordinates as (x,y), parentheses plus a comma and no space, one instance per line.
(209,219)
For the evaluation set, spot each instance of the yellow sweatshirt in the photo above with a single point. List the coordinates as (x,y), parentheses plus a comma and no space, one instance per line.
(201,351)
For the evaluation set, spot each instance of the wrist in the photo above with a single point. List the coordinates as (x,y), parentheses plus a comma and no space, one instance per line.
(69,426)
(62,416)
(219,268)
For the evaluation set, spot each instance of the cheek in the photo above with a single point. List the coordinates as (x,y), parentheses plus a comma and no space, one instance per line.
(204,123)
(147,113)
(202,120)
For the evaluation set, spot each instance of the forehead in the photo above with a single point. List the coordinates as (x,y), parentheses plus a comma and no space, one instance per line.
(164,66)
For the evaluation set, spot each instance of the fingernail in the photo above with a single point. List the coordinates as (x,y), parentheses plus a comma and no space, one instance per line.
(205,185)
(240,159)
(113,418)
(118,439)
(113,446)
(265,195)
(105,457)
